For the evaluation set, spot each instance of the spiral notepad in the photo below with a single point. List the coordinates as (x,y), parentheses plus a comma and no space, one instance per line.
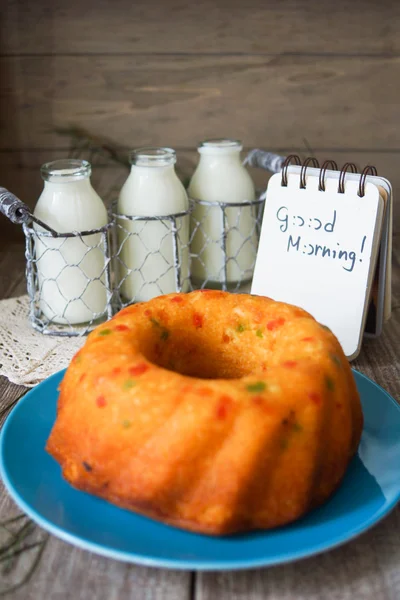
(325,245)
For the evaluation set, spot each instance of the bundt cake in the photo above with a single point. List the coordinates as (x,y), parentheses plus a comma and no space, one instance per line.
(210,411)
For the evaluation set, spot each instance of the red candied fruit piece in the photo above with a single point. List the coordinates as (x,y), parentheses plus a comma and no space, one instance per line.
(314,397)
(101,401)
(275,324)
(147,312)
(307,339)
(116,371)
(82,377)
(198,320)
(259,400)
(224,404)
(290,364)
(221,412)
(121,327)
(226,338)
(177,299)
(138,369)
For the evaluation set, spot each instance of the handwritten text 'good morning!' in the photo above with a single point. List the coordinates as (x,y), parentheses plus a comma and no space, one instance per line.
(307,247)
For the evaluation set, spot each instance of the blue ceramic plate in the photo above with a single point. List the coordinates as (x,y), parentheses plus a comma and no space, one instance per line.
(371,488)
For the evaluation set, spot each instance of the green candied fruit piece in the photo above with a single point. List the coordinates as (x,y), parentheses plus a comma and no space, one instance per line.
(258,386)
(284,443)
(330,384)
(336,360)
(326,328)
(259,333)
(297,427)
(240,328)
(164,335)
(105,332)
(128,384)
(126,423)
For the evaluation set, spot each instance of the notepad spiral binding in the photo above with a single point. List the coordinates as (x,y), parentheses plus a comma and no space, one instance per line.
(328,164)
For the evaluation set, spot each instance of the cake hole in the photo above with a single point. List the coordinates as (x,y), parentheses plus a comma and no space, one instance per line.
(205,359)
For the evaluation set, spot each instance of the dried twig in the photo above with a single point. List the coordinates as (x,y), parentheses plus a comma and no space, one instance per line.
(41,546)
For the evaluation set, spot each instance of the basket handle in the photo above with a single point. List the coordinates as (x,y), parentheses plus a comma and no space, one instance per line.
(13,208)
(18,212)
(264,160)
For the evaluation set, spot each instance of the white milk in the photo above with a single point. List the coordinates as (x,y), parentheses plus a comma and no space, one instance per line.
(146,247)
(221,177)
(69,203)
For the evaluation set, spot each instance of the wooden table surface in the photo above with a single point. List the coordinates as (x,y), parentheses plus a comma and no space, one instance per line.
(365,569)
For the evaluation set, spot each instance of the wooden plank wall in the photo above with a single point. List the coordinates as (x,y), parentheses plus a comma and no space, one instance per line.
(279,75)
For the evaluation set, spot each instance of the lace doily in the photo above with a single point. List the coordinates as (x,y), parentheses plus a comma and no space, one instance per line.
(27,356)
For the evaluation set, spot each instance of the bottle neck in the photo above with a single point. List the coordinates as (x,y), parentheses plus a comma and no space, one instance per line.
(221,157)
(68,183)
(153,172)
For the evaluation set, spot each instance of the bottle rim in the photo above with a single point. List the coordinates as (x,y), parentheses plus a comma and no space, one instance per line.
(220,145)
(152,156)
(65,169)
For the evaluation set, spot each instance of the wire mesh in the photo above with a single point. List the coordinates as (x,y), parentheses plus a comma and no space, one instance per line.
(224,241)
(76,280)
(68,280)
(150,256)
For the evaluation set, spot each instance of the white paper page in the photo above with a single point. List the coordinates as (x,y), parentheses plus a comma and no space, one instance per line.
(385,277)
(317,251)
(385,292)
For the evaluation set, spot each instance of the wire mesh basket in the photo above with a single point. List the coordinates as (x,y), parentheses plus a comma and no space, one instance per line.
(68,279)
(75,280)
(224,241)
(150,256)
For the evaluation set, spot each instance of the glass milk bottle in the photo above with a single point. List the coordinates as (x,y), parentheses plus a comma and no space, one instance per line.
(70,269)
(152,260)
(220,177)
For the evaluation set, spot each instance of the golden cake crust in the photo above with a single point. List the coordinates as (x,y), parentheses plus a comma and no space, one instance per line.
(210,411)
